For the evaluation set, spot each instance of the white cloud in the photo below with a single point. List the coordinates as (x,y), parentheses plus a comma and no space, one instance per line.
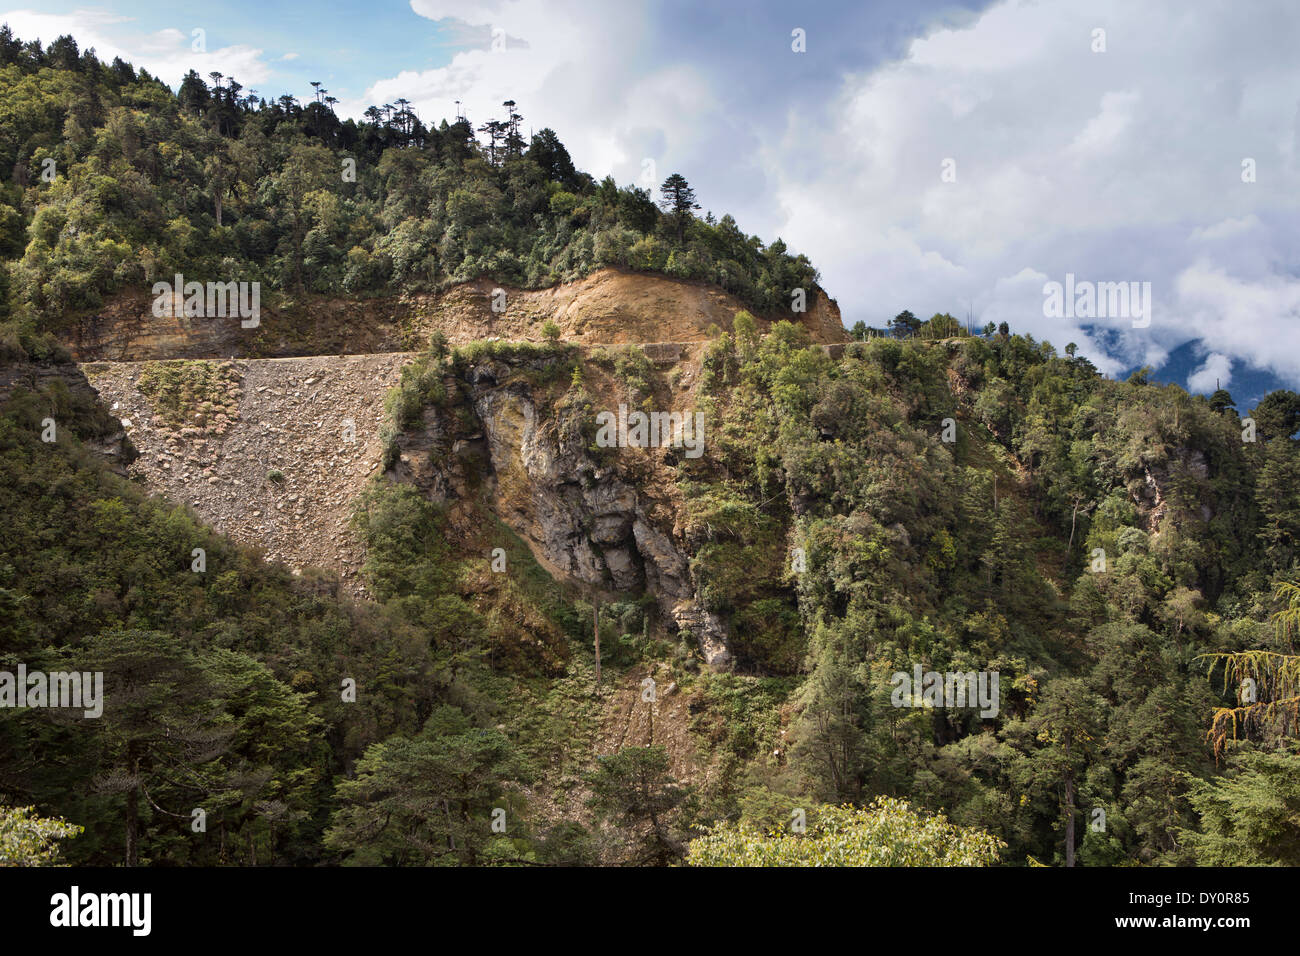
(1227,229)
(1215,373)
(1106,130)
(1116,166)
(163,41)
(1255,320)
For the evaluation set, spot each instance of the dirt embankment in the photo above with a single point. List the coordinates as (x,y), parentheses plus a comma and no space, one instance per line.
(281,472)
(608,307)
(611,306)
(647,709)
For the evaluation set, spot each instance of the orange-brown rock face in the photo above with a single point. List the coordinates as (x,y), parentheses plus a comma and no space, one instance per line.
(611,306)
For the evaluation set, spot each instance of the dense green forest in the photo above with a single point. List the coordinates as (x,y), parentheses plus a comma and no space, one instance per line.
(1121,553)
(916,550)
(118,182)
(980,554)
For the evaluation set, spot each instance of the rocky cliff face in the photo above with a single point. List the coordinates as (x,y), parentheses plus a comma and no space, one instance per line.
(1150,490)
(611,524)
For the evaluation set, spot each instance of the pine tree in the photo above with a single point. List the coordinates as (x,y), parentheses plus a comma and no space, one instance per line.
(905,325)
(678,200)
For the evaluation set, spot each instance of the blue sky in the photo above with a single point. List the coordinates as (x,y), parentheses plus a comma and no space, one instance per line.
(927,156)
(346,48)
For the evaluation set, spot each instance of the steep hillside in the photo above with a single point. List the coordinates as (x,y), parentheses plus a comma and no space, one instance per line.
(978,505)
(853,513)
(276,452)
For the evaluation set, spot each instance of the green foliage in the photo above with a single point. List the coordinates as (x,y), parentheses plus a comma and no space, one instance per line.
(633,368)
(426,800)
(536,355)
(197,394)
(1251,815)
(975,556)
(30,840)
(634,789)
(886,833)
(234,673)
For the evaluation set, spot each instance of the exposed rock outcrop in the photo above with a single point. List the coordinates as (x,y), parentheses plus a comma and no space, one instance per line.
(283,472)
(586,519)
(1149,492)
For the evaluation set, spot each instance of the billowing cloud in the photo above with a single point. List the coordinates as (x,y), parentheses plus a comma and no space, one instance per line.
(1104,140)
(1123,165)
(1255,319)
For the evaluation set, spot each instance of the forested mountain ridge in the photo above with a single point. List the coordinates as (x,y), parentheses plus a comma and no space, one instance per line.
(1121,556)
(118,183)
